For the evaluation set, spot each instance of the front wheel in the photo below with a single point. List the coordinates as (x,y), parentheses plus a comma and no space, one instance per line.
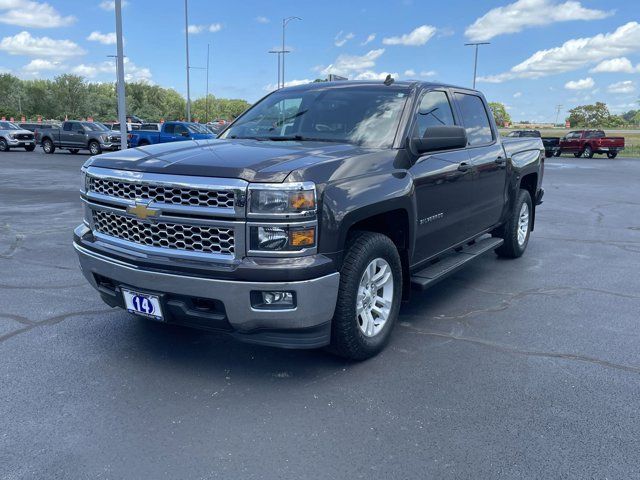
(48,146)
(4,147)
(30,148)
(94,148)
(588,152)
(612,155)
(517,229)
(369,296)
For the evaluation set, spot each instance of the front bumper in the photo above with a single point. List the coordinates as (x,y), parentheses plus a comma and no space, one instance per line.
(228,302)
(110,146)
(20,143)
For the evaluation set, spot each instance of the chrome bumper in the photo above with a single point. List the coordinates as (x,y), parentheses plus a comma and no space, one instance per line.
(316,298)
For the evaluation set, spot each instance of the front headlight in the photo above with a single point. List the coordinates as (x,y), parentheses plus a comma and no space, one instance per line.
(282,200)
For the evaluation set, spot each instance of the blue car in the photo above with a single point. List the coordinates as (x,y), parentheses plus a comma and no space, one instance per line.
(169,132)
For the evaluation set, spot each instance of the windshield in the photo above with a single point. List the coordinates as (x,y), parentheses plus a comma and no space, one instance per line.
(365,115)
(9,126)
(91,127)
(101,126)
(197,128)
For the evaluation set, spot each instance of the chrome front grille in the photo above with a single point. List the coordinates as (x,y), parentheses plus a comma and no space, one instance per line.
(191,238)
(167,194)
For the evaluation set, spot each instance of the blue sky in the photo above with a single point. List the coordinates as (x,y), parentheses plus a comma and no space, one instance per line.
(542,52)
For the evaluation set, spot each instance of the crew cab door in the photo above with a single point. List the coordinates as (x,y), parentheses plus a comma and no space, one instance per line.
(488,160)
(70,135)
(442,181)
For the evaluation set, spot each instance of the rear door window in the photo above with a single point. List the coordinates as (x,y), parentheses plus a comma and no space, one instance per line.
(475,119)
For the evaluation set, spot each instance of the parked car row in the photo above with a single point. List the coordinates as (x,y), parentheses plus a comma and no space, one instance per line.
(96,137)
(582,143)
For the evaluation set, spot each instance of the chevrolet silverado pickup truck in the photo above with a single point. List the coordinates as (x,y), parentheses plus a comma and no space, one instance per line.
(585,143)
(75,136)
(13,136)
(313,216)
(169,132)
(551,144)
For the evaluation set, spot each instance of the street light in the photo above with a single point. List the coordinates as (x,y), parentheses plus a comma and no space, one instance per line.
(285,21)
(122,108)
(475,64)
(186,33)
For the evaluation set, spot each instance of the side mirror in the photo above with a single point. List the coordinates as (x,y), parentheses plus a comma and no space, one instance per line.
(185,134)
(81,131)
(440,138)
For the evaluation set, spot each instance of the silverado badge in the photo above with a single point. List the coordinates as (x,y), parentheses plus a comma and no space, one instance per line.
(142,210)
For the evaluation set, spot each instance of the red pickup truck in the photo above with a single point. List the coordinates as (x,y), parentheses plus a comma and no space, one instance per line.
(584,143)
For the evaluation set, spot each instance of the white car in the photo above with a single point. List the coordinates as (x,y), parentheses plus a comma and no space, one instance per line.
(12,136)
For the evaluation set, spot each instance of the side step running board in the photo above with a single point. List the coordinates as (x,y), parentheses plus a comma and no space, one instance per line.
(452,263)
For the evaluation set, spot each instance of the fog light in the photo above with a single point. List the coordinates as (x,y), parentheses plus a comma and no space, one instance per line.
(273,300)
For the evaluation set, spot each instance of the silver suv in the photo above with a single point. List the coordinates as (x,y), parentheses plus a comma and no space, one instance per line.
(12,136)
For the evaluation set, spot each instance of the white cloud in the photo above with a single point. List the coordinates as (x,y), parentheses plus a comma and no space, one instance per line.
(616,65)
(626,86)
(291,83)
(369,39)
(371,75)
(132,72)
(27,13)
(261,19)
(517,95)
(582,84)
(409,73)
(24,44)
(574,54)
(110,5)
(213,28)
(417,37)
(104,38)
(346,65)
(517,16)
(428,73)
(38,65)
(341,39)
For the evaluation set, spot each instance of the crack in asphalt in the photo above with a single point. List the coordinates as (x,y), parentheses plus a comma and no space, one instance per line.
(529,353)
(42,287)
(46,322)
(15,244)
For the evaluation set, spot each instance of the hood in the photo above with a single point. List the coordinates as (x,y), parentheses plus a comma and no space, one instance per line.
(22,131)
(250,160)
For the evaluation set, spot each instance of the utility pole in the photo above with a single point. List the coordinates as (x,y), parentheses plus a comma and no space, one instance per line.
(475,63)
(186,33)
(206,98)
(122,108)
(285,21)
(558,108)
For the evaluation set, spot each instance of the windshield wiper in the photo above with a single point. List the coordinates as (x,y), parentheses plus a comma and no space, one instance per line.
(300,138)
(286,119)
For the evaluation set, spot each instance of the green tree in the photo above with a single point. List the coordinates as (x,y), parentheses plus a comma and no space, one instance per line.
(11,95)
(71,92)
(500,113)
(596,115)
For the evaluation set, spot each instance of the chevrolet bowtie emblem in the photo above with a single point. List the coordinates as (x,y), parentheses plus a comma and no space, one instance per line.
(142,211)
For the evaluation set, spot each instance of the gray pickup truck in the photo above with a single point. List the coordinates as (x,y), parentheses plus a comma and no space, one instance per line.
(75,136)
(312,216)
(12,136)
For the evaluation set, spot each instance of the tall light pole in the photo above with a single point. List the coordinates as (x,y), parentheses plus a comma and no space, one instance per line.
(186,33)
(475,63)
(558,108)
(206,98)
(122,108)
(285,22)
(277,52)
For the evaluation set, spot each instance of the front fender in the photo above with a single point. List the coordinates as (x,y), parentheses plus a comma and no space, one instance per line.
(345,203)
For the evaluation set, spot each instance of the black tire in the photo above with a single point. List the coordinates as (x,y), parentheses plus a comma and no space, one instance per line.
(587,152)
(4,146)
(94,148)
(577,154)
(512,248)
(612,155)
(143,143)
(48,146)
(347,340)
(557,153)
(30,148)
(74,150)
(548,154)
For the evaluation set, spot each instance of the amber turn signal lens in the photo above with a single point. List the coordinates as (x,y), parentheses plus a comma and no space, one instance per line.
(303,237)
(302,200)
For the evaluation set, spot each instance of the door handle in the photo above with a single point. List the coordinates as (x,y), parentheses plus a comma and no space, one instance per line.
(500,160)
(463,167)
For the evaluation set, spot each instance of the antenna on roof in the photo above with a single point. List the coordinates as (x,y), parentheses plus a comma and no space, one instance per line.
(389,80)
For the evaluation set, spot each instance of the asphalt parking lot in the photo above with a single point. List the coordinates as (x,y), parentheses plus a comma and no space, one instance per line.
(524,368)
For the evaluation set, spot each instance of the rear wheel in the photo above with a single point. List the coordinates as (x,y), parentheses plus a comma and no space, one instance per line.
(612,155)
(143,143)
(48,146)
(577,154)
(557,153)
(4,147)
(369,297)
(30,148)
(587,152)
(94,148)
(517,229)
(74,150)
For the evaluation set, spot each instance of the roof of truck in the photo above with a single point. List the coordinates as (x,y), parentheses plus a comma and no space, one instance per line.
(368,83)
